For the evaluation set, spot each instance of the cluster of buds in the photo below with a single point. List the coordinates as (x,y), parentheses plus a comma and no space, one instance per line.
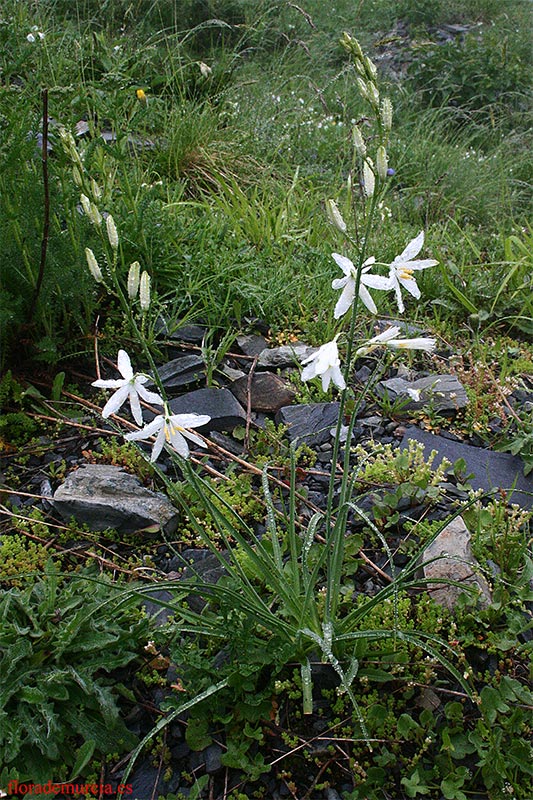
(382,110)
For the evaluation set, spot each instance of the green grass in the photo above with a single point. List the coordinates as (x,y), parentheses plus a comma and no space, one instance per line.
(258,144)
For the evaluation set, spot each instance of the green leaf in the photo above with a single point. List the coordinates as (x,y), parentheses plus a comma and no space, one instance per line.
(85,754)
(196,735)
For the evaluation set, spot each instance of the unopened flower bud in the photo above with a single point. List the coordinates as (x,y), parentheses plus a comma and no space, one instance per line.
(335,216)
(381,162)
(386,113)
(144,291)
(86,205)
(362,87)
(371,68)
(358,142)
(92,263)
(133,280)
(112,233)
(95,216)
(205,69)
(369,180)
(76,176)
(373,93)
(95,190)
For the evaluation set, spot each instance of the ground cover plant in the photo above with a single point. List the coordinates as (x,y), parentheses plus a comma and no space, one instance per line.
(196,165)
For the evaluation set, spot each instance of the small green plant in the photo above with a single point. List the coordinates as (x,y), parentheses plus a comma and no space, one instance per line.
(56,690)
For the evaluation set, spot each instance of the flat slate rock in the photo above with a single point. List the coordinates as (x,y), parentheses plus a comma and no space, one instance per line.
(104,496)
(268,392)
(223,408)
(309,423)
(181,371)
(441,392)
(288,355)
(490,470)
(252,344)
(449,558)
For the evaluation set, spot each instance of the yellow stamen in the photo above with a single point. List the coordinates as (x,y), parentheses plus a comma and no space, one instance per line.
(405,273)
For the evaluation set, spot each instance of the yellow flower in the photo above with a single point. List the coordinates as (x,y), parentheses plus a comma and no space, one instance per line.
(141,95)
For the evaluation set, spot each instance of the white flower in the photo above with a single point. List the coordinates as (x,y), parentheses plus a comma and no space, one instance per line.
(171,428)
(30,37)
(402,268)
(130,387)
(326,364)
(388,338)
(347,284)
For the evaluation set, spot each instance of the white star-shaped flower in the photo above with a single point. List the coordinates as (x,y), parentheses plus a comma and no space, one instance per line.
(389,339)
(326,364)
(171,429)
(403,266)
(130,387)
(347,284)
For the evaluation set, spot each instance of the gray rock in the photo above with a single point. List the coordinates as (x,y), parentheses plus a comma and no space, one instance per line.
(104,496)
(441,392)
(455,562)
(193,334)
(252,344)
(223,408)
(268,391)
(285,356)
(181,371)
(309,423)
(490,470)
(212,758)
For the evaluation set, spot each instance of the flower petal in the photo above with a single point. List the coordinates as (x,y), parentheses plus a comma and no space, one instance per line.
(422,264)
(337,377)
(124,365)
(190,420)
(366,298)
(344,263)
(116,400)
(114,384)
(157,424)
(135,405)
(179,444)
(411,285)
(377,282)
(345,301)
(412,249)
(194,438)
(147,396)
(309,372)
(158,445)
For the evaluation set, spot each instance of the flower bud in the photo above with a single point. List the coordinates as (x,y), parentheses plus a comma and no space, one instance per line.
(362,87)
(205,69)
(335,216)
(369,180)
(133,280)
(86,205)
(371,68)
(95,190)
(112,233)
(144,291)
(76,176)
(373,93)
(381,162)
(95,216)
(386,113)
(358,142)
(92,263)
